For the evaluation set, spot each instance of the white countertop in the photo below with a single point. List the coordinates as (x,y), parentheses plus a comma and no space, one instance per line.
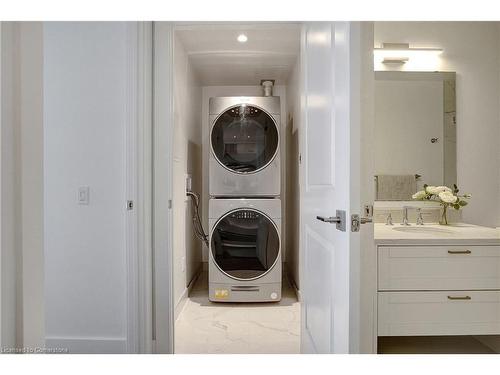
(435,234)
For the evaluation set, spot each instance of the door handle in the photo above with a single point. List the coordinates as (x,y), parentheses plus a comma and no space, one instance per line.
(356,221)
(338,220)
(331,219)
(459,252)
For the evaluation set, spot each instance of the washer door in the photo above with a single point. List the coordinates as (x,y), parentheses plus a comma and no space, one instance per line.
(244,139)
(245,244)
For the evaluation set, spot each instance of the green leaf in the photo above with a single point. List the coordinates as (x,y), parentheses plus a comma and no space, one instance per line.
(463,203)
(456,206)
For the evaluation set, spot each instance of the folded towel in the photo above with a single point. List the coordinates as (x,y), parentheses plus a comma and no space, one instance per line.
(395,187)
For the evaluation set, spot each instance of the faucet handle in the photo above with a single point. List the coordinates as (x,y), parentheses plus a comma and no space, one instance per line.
(389,219)
(420,219)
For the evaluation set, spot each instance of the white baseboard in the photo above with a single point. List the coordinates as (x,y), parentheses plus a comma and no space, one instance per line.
(87,345)
(183,298)
(292,283)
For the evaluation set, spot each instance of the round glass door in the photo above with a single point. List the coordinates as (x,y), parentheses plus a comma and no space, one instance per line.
(245,244)
(244,139)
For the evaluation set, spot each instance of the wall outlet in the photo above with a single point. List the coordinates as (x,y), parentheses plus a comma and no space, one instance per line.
(189,182)
(183,264)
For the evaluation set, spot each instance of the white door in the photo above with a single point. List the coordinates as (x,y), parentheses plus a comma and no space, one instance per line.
(330,170)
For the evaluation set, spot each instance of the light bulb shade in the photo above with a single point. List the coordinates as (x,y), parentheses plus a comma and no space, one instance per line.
(424,58)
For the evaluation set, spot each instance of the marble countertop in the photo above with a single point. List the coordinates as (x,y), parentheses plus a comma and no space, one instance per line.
(435,234)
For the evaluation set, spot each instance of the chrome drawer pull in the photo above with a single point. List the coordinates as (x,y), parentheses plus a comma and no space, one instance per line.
(465,298)
(459,252)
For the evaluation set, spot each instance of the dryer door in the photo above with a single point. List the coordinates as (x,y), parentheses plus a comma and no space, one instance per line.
(245,244)
(244,139)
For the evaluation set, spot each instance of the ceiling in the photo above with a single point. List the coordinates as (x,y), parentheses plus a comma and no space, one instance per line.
(219,59)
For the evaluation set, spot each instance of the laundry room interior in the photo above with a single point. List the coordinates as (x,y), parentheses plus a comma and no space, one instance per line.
(230,60)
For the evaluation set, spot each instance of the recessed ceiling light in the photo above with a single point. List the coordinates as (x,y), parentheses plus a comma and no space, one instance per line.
(242,38)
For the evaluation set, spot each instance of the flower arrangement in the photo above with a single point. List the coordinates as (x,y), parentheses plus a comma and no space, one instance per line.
(445,196)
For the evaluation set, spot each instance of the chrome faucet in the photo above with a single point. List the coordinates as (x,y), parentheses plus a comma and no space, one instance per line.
(420,219)
(389,219)
(405,215)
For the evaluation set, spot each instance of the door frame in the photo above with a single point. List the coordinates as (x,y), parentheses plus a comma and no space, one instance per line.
(140,302)
(155,184)
(149,187)
(162,187)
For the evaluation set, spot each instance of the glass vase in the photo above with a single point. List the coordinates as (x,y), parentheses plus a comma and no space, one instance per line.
(444,215)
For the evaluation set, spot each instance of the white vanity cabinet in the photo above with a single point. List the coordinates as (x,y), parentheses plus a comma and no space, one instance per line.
(437,286)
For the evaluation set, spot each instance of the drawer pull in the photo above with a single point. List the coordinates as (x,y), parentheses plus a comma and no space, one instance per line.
(464,298)
(459,252)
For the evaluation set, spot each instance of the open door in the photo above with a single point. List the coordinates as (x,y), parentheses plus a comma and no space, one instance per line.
(330,187)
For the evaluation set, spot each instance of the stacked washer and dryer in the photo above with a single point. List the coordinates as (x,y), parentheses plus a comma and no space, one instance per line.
(244,206)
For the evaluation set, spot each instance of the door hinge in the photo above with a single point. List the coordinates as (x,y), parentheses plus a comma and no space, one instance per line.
(130,205)
(170,203)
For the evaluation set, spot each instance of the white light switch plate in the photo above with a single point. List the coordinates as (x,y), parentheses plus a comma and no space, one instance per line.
(83,195)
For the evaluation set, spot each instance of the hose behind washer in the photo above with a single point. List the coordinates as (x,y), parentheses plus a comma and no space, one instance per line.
(197,225)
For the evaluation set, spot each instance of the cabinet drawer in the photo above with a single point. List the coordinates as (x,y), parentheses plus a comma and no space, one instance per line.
(438,313)
(438,267)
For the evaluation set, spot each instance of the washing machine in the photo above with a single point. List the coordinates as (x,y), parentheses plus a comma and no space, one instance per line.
(244,146)
(245,250)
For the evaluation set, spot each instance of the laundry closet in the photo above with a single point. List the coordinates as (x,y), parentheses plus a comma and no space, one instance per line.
(235,165)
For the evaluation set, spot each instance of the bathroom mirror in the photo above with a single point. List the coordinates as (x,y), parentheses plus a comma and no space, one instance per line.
(415,134)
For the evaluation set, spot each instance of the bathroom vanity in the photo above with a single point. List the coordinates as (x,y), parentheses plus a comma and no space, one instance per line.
(437,280)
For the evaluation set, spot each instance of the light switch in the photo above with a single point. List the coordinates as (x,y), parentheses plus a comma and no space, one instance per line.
(83,195)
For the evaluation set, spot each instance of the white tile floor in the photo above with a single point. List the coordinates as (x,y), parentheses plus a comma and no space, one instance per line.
(207,327)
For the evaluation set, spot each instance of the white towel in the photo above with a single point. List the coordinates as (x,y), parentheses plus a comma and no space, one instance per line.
(395,187)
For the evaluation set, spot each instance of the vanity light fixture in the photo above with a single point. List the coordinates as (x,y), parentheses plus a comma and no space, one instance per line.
(242,38)
(401,53)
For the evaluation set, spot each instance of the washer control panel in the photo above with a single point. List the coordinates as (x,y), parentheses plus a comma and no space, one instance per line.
(245,215)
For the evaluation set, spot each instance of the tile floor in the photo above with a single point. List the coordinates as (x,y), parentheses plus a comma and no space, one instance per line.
(207,327)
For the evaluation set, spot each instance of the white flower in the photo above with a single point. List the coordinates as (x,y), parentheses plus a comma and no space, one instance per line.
(437,189)
(447,197)
(419,195)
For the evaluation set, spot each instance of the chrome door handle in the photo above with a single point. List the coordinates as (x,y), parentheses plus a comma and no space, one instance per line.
(364,220)
(338,220)
(331,219)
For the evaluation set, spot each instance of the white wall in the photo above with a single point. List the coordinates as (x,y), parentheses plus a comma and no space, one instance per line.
(292,124)
(85,109)
(471,49)
(215,91)
(187,160)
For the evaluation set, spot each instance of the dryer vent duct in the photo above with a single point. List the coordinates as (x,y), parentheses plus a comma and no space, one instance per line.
(267,84)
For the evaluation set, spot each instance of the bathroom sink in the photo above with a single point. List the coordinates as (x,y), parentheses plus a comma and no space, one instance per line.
(423,230)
